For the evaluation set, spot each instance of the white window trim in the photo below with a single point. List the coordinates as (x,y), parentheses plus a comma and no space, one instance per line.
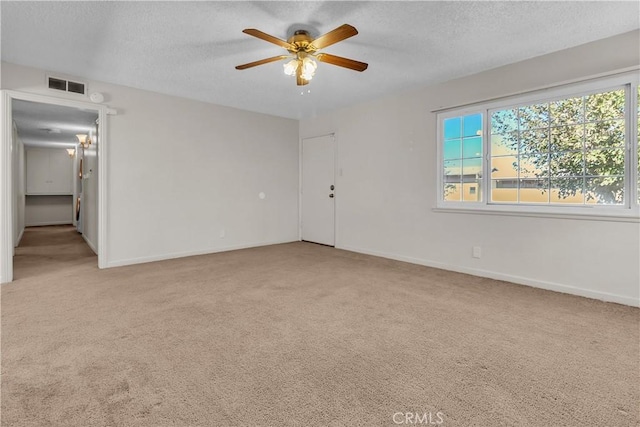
(629,212)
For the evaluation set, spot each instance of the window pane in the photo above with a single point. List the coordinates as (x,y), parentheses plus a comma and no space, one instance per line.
(534,191)
(452,192)
(534,116)
(452,149)
(565,138)
(472,147)
(471,169)
(567,164)
(605,162)
(605,134)
(471,191)
(504,167)
(472,125)
(534,166)
(567,190)
(452,128)
(605,106)
(504,121)
(605,190)
(452,170)
(502,145)
(504,190)
(534,141)
(567,111)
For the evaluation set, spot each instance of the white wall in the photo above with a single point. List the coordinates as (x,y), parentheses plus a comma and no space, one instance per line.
(181,172)
(387,190)
(48,210)
(19,159)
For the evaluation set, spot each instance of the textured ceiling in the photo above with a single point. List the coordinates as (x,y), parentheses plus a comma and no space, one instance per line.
(48,125)
(190,49)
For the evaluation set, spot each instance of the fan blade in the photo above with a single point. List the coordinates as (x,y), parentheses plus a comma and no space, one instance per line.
(266,37)
(341,33)
(341,62)
(262,61)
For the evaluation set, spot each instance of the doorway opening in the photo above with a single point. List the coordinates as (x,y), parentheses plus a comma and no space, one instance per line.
(54,186)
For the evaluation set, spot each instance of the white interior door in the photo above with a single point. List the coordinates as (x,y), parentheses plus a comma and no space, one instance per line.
(318,190)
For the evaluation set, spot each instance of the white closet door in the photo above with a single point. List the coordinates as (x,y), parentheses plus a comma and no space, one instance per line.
(37,171)
(49,172)
(60,172)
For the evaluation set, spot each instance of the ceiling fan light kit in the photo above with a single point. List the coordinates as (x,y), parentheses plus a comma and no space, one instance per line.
(303,52)
(303,62)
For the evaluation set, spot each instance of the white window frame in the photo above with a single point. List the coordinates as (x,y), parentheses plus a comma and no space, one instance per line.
(629,211)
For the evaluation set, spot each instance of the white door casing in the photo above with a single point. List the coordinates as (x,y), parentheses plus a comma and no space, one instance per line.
(318,197)
(6,191)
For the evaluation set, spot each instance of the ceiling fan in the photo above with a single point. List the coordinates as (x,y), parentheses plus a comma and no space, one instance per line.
(303,51)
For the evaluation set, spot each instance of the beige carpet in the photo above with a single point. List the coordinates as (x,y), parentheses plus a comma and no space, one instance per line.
(302,335)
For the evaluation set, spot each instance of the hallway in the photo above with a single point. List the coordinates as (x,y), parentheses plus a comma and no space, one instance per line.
(51,249)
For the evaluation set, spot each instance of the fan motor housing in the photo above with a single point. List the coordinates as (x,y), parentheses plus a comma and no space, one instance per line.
(302,40)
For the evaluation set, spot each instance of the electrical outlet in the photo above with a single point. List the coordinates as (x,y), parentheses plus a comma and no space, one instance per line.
(222,233)
(477,252)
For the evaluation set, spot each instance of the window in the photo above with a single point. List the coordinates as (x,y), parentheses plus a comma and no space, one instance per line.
(463,158)
(571,149)
(567,151)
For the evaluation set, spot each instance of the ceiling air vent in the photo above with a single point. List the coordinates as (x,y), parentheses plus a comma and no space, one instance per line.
(57,84)
(75,87)
(66,85)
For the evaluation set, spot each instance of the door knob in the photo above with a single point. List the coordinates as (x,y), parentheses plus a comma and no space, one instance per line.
(331,195)
(332,187)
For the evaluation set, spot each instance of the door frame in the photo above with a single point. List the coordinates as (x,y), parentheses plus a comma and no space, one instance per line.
(335,178)
(6,181)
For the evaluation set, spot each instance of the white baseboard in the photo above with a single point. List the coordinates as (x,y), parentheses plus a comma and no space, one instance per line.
(40,224)
(154,258)
(550,286)
(90,244)
(20,237)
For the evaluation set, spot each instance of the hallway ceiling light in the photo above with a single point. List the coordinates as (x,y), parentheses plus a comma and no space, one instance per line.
(84,140)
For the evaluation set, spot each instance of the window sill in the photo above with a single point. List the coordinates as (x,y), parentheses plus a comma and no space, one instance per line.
(620,215)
